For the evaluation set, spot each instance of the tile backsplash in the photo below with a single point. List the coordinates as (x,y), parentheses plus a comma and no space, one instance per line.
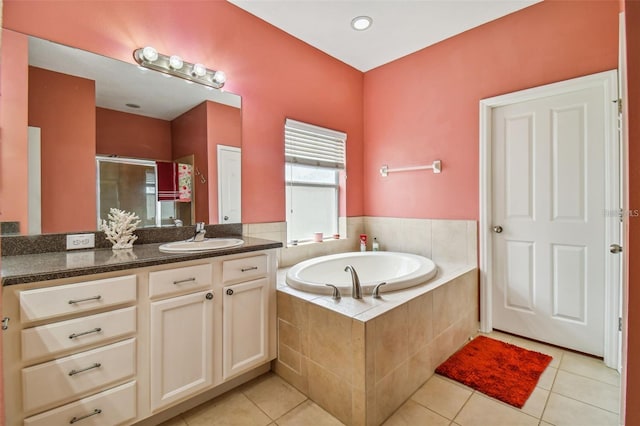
(444,241)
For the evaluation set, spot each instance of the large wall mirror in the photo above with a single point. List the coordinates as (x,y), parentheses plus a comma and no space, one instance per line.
(123,126)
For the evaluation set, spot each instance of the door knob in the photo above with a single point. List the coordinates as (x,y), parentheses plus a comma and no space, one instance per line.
(226,218)
(497,229)
(615,248)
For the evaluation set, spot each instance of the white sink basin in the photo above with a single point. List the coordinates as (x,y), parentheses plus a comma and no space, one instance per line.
(197,246)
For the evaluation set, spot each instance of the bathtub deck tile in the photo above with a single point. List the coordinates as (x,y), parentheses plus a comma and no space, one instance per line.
(347,305)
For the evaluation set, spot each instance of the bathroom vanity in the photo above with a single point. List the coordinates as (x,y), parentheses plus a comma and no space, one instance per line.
(103,337)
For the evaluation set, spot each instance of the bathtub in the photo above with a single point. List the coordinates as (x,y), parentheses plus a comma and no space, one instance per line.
(398,270)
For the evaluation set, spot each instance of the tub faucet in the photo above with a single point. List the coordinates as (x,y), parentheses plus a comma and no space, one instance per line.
(199,233)
(356,291)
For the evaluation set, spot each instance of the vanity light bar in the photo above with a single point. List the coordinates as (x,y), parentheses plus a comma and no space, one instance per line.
(149,57)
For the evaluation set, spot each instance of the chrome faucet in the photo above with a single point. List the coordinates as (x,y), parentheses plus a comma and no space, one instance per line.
(199,232)
(356,291)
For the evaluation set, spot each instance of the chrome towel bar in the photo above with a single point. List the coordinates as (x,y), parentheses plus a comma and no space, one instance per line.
(436,166)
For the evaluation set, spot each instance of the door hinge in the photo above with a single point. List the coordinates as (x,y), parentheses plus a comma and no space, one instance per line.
(619,102)
(5,323)
(619,323)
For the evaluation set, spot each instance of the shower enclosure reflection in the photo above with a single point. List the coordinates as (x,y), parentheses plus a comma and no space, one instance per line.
(132,185)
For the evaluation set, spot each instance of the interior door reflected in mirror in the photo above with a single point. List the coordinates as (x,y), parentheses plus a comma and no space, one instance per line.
(87,106)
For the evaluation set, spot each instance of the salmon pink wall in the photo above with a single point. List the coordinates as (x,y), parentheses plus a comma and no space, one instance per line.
(425,106)
(132,135)
(63,107)
(14,84)
(224,127)
(189,132)
(277,76)
(632,17)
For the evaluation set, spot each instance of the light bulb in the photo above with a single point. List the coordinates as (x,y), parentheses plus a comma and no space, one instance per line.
(175,62)
(199,70)
(219,77)
(149,54)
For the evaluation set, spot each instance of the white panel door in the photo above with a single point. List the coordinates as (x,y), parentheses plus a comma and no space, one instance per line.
(229,184)
(548,198)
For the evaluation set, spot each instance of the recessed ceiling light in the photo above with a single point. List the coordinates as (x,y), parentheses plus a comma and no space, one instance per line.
(361,23)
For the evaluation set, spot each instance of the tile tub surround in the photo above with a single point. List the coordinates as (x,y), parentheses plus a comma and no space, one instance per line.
(442,240)
(352,227)
(362,359)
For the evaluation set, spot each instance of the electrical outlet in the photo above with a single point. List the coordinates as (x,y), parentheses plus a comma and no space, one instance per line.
(80,241)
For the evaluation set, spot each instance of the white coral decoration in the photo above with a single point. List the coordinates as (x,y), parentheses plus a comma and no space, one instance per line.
(119,229)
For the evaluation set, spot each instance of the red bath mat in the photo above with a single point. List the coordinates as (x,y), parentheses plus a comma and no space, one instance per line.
(501,370)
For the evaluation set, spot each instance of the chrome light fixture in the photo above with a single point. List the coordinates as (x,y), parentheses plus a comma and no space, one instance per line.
(148,57)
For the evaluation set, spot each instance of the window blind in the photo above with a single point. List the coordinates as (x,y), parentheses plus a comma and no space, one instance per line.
(313,145)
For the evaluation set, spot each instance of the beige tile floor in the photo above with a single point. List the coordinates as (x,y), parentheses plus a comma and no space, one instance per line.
(574,390)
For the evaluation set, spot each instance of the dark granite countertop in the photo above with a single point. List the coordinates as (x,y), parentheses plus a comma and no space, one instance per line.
(28,268)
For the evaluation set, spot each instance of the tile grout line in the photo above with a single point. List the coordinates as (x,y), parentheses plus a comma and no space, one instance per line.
(553,382)
(463,405)
(584,402)
(265,413)
(589,377)
(287,412)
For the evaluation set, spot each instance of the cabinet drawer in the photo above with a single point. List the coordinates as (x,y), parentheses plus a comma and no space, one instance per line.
(76,374)
(180,280)
(109,408)
(244,269)
(51,302)
(78,333)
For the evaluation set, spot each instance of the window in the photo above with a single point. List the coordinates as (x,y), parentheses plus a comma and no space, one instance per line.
(314,158)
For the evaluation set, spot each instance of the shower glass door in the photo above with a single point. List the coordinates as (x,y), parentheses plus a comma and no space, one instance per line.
(127,184)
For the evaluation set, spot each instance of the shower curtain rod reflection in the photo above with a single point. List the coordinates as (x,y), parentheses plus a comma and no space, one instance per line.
(436,166)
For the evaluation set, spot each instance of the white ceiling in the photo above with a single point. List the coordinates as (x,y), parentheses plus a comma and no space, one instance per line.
(400,27)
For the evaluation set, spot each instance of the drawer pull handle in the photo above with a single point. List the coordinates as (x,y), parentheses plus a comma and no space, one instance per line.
(77,419)
(91,367)
(251,268)
(98,297)
(95,330)
(184,281)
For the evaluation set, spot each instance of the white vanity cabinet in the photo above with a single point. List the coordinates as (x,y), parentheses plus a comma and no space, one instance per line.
(69,350)
(131,346)
(181,355)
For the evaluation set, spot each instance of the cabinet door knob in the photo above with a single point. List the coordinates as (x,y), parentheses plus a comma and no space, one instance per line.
(497,229)
(229,292)
(209,296)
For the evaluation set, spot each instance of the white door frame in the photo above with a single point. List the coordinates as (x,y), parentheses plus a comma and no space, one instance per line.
(607,80)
